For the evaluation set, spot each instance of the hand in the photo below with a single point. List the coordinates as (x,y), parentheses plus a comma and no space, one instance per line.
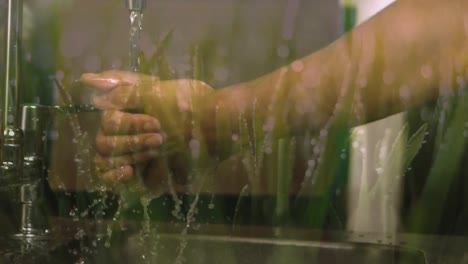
(169,106)
(124,140)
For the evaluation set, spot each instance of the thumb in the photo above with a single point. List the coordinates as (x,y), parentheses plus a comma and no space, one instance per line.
(100,82)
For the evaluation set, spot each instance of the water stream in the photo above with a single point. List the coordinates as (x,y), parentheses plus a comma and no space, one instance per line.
(136,22)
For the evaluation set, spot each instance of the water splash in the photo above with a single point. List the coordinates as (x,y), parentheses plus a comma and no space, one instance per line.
(80,139)
(243,193)
(190,218)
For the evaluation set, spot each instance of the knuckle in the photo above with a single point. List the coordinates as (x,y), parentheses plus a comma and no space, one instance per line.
(111,121)
(103,145)
(109,125)
(158,124)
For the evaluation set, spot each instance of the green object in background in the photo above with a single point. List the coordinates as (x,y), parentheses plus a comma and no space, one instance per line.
(349,12)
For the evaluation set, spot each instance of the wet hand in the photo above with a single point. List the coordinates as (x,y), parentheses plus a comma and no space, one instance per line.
(124,140)
(119,89)
(173,104)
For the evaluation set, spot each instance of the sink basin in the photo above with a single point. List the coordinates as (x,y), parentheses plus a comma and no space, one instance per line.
(213,249)
(206,249)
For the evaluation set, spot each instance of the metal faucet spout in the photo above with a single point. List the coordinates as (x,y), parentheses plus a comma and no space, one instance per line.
(11,144)
(135,5)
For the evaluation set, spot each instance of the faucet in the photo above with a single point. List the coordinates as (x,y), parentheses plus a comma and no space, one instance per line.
(11,144)
(24,127)
(20,173)
(135,5)
(21,145)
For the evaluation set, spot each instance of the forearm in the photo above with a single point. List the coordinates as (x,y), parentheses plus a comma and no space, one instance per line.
(408,54)
(239,112)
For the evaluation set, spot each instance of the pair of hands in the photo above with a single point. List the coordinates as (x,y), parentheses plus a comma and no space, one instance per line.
(125,139)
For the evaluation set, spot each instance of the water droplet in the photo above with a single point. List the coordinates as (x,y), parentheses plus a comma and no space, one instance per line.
(297,66)
(324,132)
(405,92)
(10,118)
(28,56)
(426,71)
(269,124)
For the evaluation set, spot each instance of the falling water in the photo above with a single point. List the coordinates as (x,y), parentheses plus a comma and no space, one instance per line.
(83,162)
(80,139)
(243,193)
(136,19)
(190,219)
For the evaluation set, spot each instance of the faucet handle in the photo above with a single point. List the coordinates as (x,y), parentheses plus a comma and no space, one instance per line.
(35,120)
(11,154)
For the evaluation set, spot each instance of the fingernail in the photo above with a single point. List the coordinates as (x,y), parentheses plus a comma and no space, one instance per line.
(106,83)
(153,141)
(123,173)
(111,81)
(99,80)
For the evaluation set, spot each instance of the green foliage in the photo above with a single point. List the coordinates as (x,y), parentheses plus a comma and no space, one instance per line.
(427,213)
(157,63)
(393,167)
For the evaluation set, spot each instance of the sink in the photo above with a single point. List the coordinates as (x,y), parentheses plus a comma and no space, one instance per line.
(193,249)
(222,249)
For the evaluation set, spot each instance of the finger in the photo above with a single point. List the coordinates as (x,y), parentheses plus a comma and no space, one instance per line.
(109,163)
(109,80)
(121,123)
(118,145)
(100,81)
(120,97)
(123,173)
(125,96)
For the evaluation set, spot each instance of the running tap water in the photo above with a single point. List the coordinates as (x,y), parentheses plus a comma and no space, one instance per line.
(135,8)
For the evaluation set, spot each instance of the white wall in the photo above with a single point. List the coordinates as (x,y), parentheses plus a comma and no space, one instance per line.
(375,213)
(368,8)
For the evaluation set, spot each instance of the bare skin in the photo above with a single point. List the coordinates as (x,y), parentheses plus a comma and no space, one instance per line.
(409,54)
